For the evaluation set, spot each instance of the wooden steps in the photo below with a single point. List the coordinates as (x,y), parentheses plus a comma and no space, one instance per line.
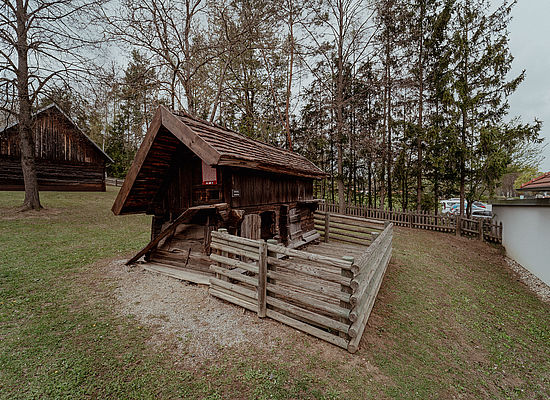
(178,273)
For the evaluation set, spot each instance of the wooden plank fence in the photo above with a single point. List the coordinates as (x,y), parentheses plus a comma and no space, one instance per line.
(327,297)
(482,228)
(114,181)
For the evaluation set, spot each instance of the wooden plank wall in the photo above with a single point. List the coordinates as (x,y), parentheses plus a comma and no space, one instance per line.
(55,139)
(261,188)
(54,176)
(65,159)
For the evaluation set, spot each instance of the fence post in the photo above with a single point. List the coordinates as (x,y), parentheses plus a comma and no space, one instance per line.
(262,279)
(271,254)
(480,226)
(458,225)
(348,290)
(327,222)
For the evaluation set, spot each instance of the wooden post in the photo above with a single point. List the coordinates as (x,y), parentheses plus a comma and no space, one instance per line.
(480,227)
(327,223)
(348,290)
(262,279)
(458,225)
(271,254)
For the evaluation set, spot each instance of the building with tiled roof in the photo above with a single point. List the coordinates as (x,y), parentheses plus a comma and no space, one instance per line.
(538,184)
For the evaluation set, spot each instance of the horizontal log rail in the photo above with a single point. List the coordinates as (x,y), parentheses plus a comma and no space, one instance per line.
(327,297)
(481,228)
(114,181)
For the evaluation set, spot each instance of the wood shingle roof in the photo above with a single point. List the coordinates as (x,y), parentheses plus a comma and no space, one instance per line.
(238,150)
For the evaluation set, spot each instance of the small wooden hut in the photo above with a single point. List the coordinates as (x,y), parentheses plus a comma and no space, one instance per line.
(66,159)
(194,176)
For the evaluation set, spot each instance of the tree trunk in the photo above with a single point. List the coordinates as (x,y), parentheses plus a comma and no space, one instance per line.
(28,165)
(420,112)
(339,110)
(390,157)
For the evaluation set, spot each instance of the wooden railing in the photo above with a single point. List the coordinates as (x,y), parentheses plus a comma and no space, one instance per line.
(343,228)
(114,181)
(482,228)
(327,297)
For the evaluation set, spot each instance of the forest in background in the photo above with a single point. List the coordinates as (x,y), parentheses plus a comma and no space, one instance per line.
(402,103)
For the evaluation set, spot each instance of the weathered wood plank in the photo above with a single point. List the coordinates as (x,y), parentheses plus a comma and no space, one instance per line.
(320,320)
(234,263)
(234,275)
(233,299)
(310,256)
(330,309)
(262,279)
(319,333)
(178,273)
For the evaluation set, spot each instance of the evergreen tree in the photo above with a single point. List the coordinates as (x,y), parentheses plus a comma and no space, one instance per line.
(481,60)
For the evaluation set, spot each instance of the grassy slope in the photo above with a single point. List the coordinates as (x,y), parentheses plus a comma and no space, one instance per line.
(450,321)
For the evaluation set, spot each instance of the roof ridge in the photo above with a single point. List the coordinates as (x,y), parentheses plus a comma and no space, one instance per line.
(535,179)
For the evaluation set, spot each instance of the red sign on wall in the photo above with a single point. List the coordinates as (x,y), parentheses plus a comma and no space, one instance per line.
(209,175)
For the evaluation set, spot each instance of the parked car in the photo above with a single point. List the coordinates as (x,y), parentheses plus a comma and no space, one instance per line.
(479,209)
(482,214)
(446,205)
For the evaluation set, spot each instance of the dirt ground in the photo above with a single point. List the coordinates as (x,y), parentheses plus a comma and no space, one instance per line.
(14,213)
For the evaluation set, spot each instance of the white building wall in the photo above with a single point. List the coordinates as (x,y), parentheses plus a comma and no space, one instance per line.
(526,236)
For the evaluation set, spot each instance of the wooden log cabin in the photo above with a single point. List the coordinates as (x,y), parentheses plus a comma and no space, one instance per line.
(66,159)
(193,177)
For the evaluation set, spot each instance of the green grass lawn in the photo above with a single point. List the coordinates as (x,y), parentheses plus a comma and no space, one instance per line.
(450,322)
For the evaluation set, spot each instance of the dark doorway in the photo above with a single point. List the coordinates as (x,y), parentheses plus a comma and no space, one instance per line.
(268,225)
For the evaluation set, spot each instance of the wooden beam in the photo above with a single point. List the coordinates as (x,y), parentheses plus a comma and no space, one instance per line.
(189,138)
(178,273)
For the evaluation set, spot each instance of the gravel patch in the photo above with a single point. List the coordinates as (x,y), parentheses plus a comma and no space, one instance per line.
(184,314)
(541,289)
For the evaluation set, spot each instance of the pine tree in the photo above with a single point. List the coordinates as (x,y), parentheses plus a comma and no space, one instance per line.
(481,59)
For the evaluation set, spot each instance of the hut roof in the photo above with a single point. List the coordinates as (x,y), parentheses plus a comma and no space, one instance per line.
(55,108)
(238,150)
(215,145)
(539,184)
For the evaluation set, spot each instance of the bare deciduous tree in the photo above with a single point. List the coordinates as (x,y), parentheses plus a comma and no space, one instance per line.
(41,42)
(344,37)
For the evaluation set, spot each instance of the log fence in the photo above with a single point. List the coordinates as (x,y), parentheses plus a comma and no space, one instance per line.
(327,297)
(481,228)
(114,182)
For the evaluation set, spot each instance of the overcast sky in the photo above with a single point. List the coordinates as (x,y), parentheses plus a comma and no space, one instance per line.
(530,45)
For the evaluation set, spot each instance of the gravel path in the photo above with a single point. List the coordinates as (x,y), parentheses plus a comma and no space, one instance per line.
(199,324)
(541,289)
